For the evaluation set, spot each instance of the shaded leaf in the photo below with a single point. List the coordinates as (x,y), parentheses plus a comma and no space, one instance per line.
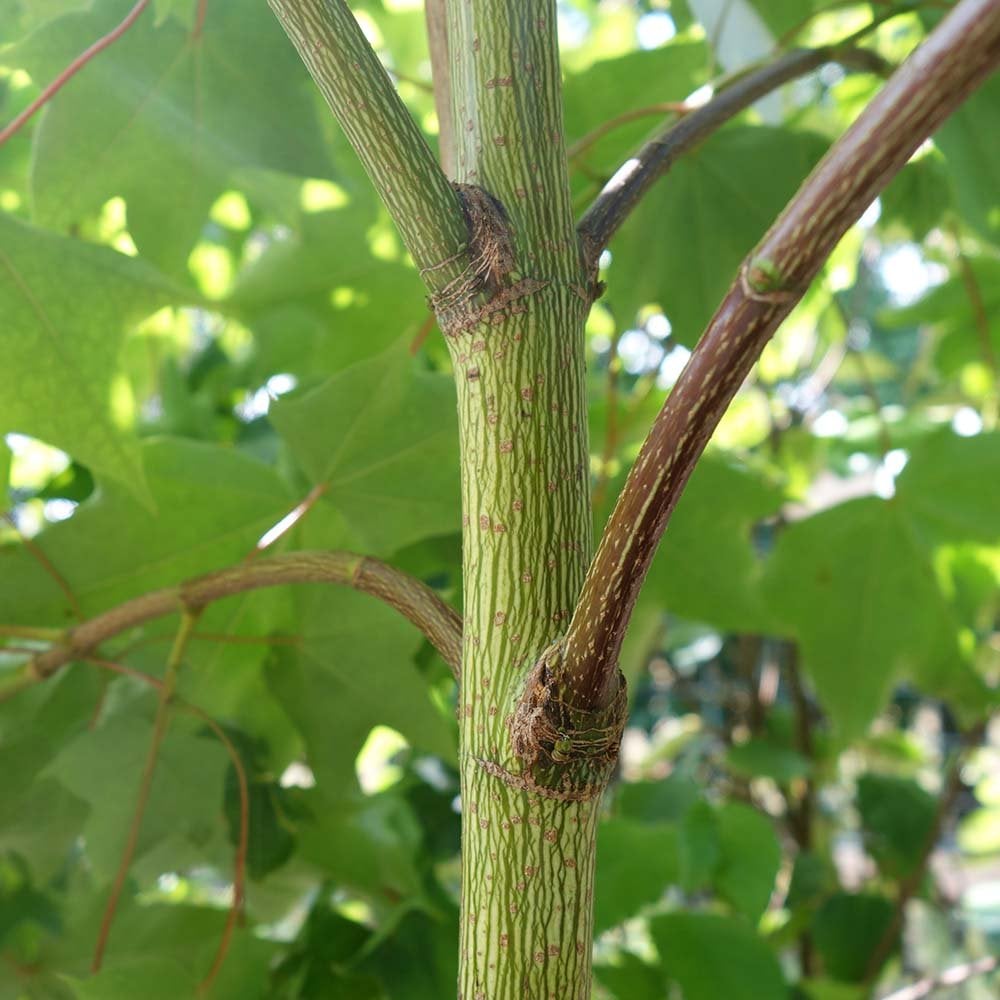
(712,957)
(383,439)
(721,197)
(749,858)
(636,863)
(66,306)
(898,818)
(847,929)
(162,118)
(211,505)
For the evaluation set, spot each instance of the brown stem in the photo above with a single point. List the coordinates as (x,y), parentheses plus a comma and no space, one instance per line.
(292,518)
(416,601)
(635,177)
(240,857)
(160,724)
(955,58)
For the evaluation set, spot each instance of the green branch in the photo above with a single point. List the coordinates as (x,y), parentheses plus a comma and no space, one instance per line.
(439,622)
(508,117)
(402,167)
(959,55)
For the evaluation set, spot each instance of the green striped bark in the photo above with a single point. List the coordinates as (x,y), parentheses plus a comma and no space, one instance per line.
(528,827)
(384,135)
(527,852)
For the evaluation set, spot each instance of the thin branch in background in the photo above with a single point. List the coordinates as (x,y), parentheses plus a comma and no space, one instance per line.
(30,632)
(611,422)
(910,884)
(43,560)
(801,816)
(981,322)
(411,80)
(240,858)
(436,14)
(678,108)
(292,518)
(243,837)
(954,976)
(734,94)
(420,337)
(160,724)
(71,70)
(957,56)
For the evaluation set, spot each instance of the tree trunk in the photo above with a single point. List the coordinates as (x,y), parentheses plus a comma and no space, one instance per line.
(527,850)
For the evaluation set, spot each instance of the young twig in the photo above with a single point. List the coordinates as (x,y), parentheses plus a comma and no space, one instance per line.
(71,70)
(388,141)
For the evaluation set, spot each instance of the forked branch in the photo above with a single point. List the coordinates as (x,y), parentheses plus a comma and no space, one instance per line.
(388,141)
(417,602)
(960,53)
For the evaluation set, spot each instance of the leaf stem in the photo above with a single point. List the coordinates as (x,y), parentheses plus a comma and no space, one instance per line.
(35,550)
(243,837)
(160,725)
(959,54)
(71,70)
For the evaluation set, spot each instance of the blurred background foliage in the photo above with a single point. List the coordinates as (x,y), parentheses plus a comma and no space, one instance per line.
(205,314)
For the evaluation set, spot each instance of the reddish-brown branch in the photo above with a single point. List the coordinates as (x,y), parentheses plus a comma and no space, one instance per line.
(979,314)
(71,70)
(240,858)
(635,177)
(957,56)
